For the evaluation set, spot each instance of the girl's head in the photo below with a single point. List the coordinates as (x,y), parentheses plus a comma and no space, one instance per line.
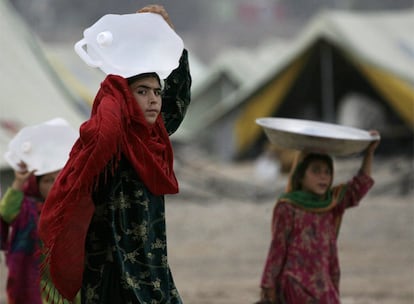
(38,186)
(45,183)
(313,174)
(146,89)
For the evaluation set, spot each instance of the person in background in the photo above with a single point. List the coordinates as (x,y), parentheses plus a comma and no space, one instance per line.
(104,224)
(302,263)
(21,205)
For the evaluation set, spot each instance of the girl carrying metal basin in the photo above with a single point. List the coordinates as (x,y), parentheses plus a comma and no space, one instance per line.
(302,264)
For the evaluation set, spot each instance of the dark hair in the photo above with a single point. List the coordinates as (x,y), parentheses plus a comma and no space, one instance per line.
(304,164)
(134,78)
(38,178)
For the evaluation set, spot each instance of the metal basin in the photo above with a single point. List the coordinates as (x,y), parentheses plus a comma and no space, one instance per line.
(315,136)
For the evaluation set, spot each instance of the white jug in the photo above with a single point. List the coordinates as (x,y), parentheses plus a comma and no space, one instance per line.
(131,44)
(44,147)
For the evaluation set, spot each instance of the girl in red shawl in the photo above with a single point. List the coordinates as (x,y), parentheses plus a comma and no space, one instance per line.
(103,224)
(302,264)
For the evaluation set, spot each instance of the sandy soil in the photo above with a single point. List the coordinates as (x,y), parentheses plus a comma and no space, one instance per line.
(217,250)
(219,233)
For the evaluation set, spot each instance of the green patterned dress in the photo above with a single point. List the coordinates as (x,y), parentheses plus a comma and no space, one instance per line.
(126,246)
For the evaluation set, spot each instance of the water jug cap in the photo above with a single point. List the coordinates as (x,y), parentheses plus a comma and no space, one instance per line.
(104,38)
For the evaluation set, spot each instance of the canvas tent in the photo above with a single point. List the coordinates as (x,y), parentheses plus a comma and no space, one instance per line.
(338,53)
(342,53)
(30,90)
(84,80)
(230,72)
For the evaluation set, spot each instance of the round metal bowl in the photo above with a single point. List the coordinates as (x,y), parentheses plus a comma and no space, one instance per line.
(314,136)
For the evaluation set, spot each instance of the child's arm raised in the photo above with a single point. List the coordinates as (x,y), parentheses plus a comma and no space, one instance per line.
(369,155)
(157,9)
(20,177)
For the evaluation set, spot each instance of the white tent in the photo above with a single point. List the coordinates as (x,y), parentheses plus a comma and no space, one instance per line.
(337,53)
(30,90)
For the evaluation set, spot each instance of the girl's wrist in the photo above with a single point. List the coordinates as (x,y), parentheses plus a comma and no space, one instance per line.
(17,185)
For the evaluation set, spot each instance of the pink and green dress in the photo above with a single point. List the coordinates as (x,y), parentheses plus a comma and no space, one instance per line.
(19,215)
(302,263)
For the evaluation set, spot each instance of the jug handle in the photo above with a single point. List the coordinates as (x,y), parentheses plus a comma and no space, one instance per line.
(84,55)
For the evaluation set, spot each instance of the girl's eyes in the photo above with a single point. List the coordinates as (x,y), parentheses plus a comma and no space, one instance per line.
(317,170)
(48,180)
(145,92)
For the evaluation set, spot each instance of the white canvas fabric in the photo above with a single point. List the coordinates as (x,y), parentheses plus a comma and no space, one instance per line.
(30,90)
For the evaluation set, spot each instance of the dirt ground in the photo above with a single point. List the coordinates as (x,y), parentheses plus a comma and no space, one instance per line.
(217,250)
(218,241)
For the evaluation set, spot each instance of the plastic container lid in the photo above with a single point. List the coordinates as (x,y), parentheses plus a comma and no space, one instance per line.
(131,44)
(44,147)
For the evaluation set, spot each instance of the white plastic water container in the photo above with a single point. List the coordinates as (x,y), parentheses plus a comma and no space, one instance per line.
(44,147)
(131,44)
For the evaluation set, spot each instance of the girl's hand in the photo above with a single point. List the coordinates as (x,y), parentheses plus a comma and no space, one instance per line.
(373,146)
(268,295)
(157,9)
(21,176)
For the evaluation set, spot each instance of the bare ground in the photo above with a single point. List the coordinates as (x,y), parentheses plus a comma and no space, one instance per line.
(219,233)
(217,251)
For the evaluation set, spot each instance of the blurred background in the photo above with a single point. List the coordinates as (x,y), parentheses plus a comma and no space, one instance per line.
(347,62)
(208,27)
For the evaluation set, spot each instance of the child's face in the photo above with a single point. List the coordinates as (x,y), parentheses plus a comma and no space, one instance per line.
(46,183)
(147,92)
(317,178)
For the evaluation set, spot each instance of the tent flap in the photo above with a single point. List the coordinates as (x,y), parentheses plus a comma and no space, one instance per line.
(397,91)
(265,102)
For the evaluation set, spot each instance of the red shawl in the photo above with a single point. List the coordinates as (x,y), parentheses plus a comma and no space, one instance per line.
(117,126)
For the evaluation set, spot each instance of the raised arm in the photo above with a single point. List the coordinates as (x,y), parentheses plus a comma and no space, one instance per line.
(362,182)
(176,95)
(177,87)
(157,9)
(11,202)
(366,166)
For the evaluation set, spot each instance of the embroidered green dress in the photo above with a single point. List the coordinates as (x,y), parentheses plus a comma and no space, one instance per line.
(126,245)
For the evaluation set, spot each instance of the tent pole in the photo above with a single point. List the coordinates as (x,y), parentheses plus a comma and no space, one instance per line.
(327,85)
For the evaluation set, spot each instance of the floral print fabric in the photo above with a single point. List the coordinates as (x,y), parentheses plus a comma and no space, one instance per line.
(302,263)
(126,259)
